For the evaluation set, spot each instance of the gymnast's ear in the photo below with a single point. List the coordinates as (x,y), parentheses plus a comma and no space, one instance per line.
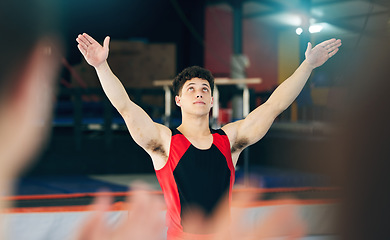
(177,101)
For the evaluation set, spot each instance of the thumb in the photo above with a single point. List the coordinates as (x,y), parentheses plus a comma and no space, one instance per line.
(106,42)
(308,49)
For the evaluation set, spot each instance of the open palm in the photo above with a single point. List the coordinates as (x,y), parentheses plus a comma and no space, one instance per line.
(322,52)
(94,53)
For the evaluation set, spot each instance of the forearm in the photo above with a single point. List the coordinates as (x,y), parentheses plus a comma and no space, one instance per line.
(287,92)
(139,124)
(112,87)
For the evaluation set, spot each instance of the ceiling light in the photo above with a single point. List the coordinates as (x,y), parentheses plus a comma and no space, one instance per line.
(312,29)
(299,31)
(315,28)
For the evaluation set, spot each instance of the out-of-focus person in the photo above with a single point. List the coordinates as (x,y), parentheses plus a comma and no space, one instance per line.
(144,221)
(28,66)
(359,152)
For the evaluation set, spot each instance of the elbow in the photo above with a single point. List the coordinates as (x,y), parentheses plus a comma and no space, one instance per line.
(123,108)
(275,108)
(281,108)
(123,112)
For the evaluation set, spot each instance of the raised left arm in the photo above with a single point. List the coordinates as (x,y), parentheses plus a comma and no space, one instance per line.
(251,129)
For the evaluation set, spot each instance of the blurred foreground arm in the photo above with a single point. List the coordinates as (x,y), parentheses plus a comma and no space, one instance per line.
(25,112)
(25,116)
(145,221)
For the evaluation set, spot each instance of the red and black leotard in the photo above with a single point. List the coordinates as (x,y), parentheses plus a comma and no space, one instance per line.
(195,178)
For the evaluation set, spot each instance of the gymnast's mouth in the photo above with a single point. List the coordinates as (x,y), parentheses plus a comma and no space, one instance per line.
(199,102)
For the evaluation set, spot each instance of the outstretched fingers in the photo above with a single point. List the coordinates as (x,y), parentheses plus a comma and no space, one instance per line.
(89,38)
(331,54)
(83,40)
(326,43)
(82,49)
(82,46)
(333,46)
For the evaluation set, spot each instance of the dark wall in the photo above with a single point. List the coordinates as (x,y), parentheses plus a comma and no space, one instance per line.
(152,20)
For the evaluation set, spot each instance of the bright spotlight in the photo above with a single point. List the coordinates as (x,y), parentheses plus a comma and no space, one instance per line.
(312,29)
(299,31)
(315,28)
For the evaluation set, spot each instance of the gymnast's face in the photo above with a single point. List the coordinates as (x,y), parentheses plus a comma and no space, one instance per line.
(195,96)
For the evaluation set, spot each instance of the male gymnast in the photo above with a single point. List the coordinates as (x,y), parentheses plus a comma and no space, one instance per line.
(193,163)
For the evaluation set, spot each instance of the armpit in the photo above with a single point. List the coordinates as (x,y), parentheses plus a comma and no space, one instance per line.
(240,144)
(156,148)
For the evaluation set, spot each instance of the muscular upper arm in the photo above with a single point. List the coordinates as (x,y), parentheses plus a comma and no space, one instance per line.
(248,131)
(151,136)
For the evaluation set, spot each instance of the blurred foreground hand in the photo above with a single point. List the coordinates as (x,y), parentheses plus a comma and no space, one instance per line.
(145,222)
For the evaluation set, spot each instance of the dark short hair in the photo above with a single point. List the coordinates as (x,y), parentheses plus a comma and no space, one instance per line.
(189,73)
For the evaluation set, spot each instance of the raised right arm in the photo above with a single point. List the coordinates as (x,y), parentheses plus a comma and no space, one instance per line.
(153,137)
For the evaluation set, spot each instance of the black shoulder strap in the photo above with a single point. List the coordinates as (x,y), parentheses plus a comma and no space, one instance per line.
(174,131)
(219,131)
